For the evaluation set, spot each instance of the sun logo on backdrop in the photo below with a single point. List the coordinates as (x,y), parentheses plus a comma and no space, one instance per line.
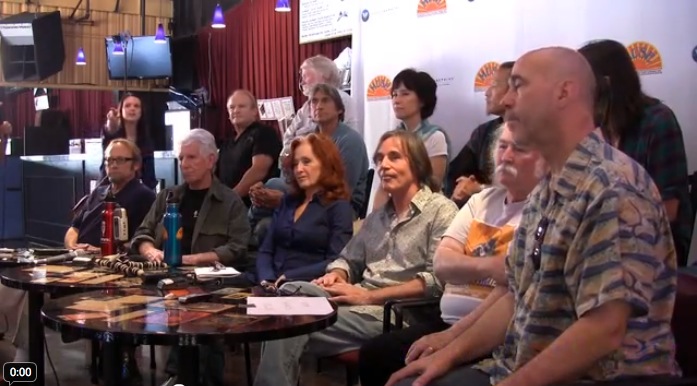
(431,7)
(485,76)
(380,87)
(646,58)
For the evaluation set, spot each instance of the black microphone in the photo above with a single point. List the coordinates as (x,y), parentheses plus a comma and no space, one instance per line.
(60,258)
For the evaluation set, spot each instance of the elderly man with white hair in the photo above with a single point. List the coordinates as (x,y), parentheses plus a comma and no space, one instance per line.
(214,218)
(469,260)
(315,70)
(214,225)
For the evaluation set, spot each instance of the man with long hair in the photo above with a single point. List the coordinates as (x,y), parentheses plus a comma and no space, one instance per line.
(389,258)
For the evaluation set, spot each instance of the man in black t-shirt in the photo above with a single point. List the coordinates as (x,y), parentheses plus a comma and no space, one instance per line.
(251,155)
(214,219)
(215,228)
(471,168)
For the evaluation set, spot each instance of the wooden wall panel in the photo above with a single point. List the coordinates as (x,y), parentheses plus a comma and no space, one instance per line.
(91,38)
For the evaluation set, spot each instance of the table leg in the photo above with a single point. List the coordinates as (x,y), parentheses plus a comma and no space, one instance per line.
(36,335)
(113,364)
(188,365)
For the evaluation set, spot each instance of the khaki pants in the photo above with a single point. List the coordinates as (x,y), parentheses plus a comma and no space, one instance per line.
(14,308)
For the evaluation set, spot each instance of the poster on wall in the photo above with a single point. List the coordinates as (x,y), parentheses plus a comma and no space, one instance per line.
(275,109)
(324,19)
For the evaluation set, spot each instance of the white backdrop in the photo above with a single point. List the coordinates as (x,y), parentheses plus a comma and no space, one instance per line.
(453,39)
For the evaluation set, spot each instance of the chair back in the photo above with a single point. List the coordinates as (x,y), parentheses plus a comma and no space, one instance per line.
(684,322)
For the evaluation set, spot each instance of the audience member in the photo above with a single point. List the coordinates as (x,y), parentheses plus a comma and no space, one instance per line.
(467,260)
(328,114)
(129,121)
(646,130)
(315,219)
(592,270)
(251,155)
(122,159)
(389,258)
(413,102)
(214,224)
(469,171)
(315,70)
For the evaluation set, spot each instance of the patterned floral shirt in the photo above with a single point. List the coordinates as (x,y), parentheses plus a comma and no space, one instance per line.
(594,233)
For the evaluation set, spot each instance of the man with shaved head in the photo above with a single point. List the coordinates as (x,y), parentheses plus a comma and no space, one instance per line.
(250,155)
(592,267)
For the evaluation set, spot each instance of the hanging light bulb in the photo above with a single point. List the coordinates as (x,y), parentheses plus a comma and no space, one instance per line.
(160,34)
(218,18)
(80,60)
(118,48)
(283,6)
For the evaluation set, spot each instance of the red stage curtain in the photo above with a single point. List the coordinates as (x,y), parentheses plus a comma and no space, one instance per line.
(259,50)
(85,109)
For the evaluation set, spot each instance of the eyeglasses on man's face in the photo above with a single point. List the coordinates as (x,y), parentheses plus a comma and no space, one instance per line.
(116,160)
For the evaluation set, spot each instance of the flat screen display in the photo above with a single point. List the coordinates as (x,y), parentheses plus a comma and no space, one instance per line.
(144,59)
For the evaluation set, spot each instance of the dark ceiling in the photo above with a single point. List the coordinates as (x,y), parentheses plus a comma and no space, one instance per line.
(190,15)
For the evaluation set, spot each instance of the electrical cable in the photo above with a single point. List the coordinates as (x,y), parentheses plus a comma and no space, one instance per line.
(50,361)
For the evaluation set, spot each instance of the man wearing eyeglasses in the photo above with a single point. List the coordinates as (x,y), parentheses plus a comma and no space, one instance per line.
(122,161)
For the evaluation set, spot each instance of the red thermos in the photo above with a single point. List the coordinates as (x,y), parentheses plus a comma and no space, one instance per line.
(108,243)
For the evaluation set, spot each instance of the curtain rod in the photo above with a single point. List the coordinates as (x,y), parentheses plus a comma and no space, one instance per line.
(90,87)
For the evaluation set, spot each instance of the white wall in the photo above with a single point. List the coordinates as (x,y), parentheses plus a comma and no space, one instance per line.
(454,44)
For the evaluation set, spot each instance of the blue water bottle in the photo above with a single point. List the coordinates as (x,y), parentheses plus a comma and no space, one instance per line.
(172,221)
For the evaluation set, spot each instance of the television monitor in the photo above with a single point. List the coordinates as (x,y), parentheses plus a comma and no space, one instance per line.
(144,59)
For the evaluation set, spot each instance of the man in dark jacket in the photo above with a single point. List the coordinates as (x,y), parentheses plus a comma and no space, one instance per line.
(471,168)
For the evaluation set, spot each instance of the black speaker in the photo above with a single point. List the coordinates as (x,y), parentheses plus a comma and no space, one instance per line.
(31,46)
(44,140)
(184,53)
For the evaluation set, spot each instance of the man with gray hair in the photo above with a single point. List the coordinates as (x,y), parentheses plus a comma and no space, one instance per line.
(214,225)
(214,220)
(468,260)
(314,70)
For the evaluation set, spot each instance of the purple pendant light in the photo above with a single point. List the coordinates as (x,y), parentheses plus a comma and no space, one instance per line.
(118,48)
(282,6)
(160,34)
(218,19)
(80,60)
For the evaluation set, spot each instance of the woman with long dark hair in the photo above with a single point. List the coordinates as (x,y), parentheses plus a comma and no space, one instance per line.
(128,121)
(645,129)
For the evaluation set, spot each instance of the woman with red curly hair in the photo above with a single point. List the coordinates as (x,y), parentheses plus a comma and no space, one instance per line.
(315,219)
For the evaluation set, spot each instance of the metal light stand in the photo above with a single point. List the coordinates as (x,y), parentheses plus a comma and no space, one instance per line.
(124,39)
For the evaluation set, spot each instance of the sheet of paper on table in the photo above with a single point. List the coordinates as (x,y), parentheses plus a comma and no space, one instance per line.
(288,305)
(211,272)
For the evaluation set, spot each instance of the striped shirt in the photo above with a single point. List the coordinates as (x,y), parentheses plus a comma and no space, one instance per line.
(603,235)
